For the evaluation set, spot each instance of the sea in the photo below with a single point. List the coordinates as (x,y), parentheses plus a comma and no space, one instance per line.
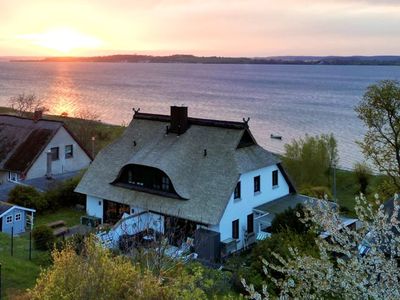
(285,100)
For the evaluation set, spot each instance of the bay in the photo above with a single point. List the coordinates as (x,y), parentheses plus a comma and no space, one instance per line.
(287,100)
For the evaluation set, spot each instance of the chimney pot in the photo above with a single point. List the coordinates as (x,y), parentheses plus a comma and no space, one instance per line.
(179,119)
(37,115)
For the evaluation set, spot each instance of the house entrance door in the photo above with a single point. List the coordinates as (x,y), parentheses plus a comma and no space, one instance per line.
(113,211)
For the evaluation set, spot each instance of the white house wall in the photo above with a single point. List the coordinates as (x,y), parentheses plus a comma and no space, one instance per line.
(80,159)
(240,208)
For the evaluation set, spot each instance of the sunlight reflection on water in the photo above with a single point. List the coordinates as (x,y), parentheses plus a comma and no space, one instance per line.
(285,100)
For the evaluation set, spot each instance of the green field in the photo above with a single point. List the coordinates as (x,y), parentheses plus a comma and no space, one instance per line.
(347,189)
(18,272)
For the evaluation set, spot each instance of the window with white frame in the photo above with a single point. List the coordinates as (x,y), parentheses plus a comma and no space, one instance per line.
(69,151)
(17,217)
(9,219)
(13,176)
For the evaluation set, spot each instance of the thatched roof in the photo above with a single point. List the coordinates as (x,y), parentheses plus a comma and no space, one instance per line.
(206,182)
(22,140)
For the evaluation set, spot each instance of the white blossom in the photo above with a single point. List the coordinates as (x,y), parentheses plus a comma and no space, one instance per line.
(341,270)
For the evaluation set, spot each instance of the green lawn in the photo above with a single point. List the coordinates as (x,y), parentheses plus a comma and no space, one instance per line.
(347,189)
(71,217)
(20,273)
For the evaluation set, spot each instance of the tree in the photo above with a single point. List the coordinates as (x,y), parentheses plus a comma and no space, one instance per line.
(380,111)
(26,103)
(341,270)
(310,160)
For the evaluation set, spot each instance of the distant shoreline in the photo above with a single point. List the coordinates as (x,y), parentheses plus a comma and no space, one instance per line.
(383,60)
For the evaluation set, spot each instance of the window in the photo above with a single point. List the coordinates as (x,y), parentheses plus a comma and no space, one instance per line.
(130,176)
(165,183)
(145,179)
(235,229)
(9,219)
(275,178)
(69,151)
(55,153)
(17,217)
(250,223)
(256,184)
(236,194)
(13,176)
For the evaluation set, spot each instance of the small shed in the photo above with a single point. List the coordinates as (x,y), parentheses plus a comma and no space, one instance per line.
(14,218)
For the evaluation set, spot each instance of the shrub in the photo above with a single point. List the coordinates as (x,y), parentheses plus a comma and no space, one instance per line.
(212,282)
(43,238)
(27,196)
(317,192)
(288,220)
(250,267)
(64,195)
(362,174)
(97,274)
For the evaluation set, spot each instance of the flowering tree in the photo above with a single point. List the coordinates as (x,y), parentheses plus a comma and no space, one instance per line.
(341,271)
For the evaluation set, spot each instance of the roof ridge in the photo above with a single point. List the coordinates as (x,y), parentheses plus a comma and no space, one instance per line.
(29,119)
(193,121)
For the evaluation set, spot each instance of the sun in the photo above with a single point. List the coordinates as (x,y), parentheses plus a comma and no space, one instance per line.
(62,40)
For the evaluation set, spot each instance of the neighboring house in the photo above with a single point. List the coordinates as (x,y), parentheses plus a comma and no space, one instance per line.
(32,148)
(192,177)
(15,219)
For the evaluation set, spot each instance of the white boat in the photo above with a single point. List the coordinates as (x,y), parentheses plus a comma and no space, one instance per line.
(277,137)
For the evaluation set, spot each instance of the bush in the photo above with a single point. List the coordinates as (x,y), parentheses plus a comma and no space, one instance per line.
(212,282)
(43,238)
(288,220)
(362,174)
(29,197)
(63,195)
(97,274)
(319,192)
(279,243)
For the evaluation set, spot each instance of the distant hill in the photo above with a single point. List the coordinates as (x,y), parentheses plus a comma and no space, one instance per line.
(387,60)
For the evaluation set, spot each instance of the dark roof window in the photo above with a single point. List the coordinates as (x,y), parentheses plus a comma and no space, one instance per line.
(146,179)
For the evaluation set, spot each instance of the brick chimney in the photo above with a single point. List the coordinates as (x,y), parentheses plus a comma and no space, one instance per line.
(179,119)
(37,115)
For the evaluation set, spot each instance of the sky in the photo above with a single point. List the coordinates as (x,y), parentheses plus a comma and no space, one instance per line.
(201,27)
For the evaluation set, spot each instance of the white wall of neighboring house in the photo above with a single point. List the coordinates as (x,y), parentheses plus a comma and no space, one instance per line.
(240,208)
(80,159)
(94,206)
(3,177)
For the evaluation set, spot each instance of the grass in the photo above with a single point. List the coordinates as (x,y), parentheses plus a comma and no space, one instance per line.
(70,216)
(348,189)
(20,273)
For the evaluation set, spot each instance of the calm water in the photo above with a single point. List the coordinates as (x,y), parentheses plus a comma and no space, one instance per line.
(279,99)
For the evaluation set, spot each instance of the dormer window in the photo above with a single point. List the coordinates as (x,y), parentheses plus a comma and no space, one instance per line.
(165,183)
(146,179)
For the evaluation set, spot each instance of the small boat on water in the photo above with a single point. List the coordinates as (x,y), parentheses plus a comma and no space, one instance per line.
(276,137)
